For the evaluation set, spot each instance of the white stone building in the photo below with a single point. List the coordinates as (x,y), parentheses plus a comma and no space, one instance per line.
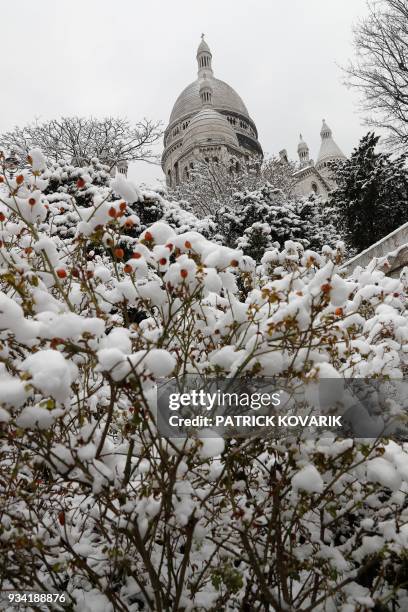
(209,122)
(315,177)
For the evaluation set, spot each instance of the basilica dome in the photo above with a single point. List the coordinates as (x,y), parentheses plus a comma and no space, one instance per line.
(209,126)
(224,98)
(209,120)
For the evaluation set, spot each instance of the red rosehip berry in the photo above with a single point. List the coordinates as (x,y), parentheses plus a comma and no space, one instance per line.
(119,253)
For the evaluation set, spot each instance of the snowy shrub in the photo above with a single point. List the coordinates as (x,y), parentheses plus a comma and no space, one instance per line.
(259,219)
(94,503)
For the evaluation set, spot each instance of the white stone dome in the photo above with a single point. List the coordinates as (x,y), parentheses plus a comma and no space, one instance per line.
(329,150)
(208,119)
(224,97)
(208,127)
(302,146)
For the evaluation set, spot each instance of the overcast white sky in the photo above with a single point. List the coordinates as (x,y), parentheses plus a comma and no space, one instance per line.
(132,58)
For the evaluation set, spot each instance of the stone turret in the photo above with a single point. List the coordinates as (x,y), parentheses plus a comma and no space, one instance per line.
(329,151)
(303,152)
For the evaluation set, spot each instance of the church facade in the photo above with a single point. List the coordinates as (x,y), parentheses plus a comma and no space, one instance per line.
(316,177)
(210,122)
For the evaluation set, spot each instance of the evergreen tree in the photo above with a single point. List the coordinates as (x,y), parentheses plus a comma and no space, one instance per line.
(260,219)
(371,198)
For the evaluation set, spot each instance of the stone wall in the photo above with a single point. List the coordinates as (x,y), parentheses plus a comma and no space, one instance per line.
(391,253)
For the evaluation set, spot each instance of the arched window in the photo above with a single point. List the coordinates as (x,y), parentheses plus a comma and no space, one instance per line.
(315,188)
(237,167)
(169,177)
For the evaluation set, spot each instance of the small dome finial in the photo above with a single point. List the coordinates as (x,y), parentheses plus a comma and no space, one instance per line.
(204,58)
(325,132)
(303,151)
(329,150)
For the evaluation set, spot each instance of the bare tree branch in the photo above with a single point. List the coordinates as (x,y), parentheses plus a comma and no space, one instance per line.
(380,68)
(211,185)
(79,139)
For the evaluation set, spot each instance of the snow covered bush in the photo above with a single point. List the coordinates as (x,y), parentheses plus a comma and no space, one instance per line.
(260,219)
(94,503)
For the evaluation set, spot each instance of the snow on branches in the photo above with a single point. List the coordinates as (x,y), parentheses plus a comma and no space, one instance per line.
(96,305)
